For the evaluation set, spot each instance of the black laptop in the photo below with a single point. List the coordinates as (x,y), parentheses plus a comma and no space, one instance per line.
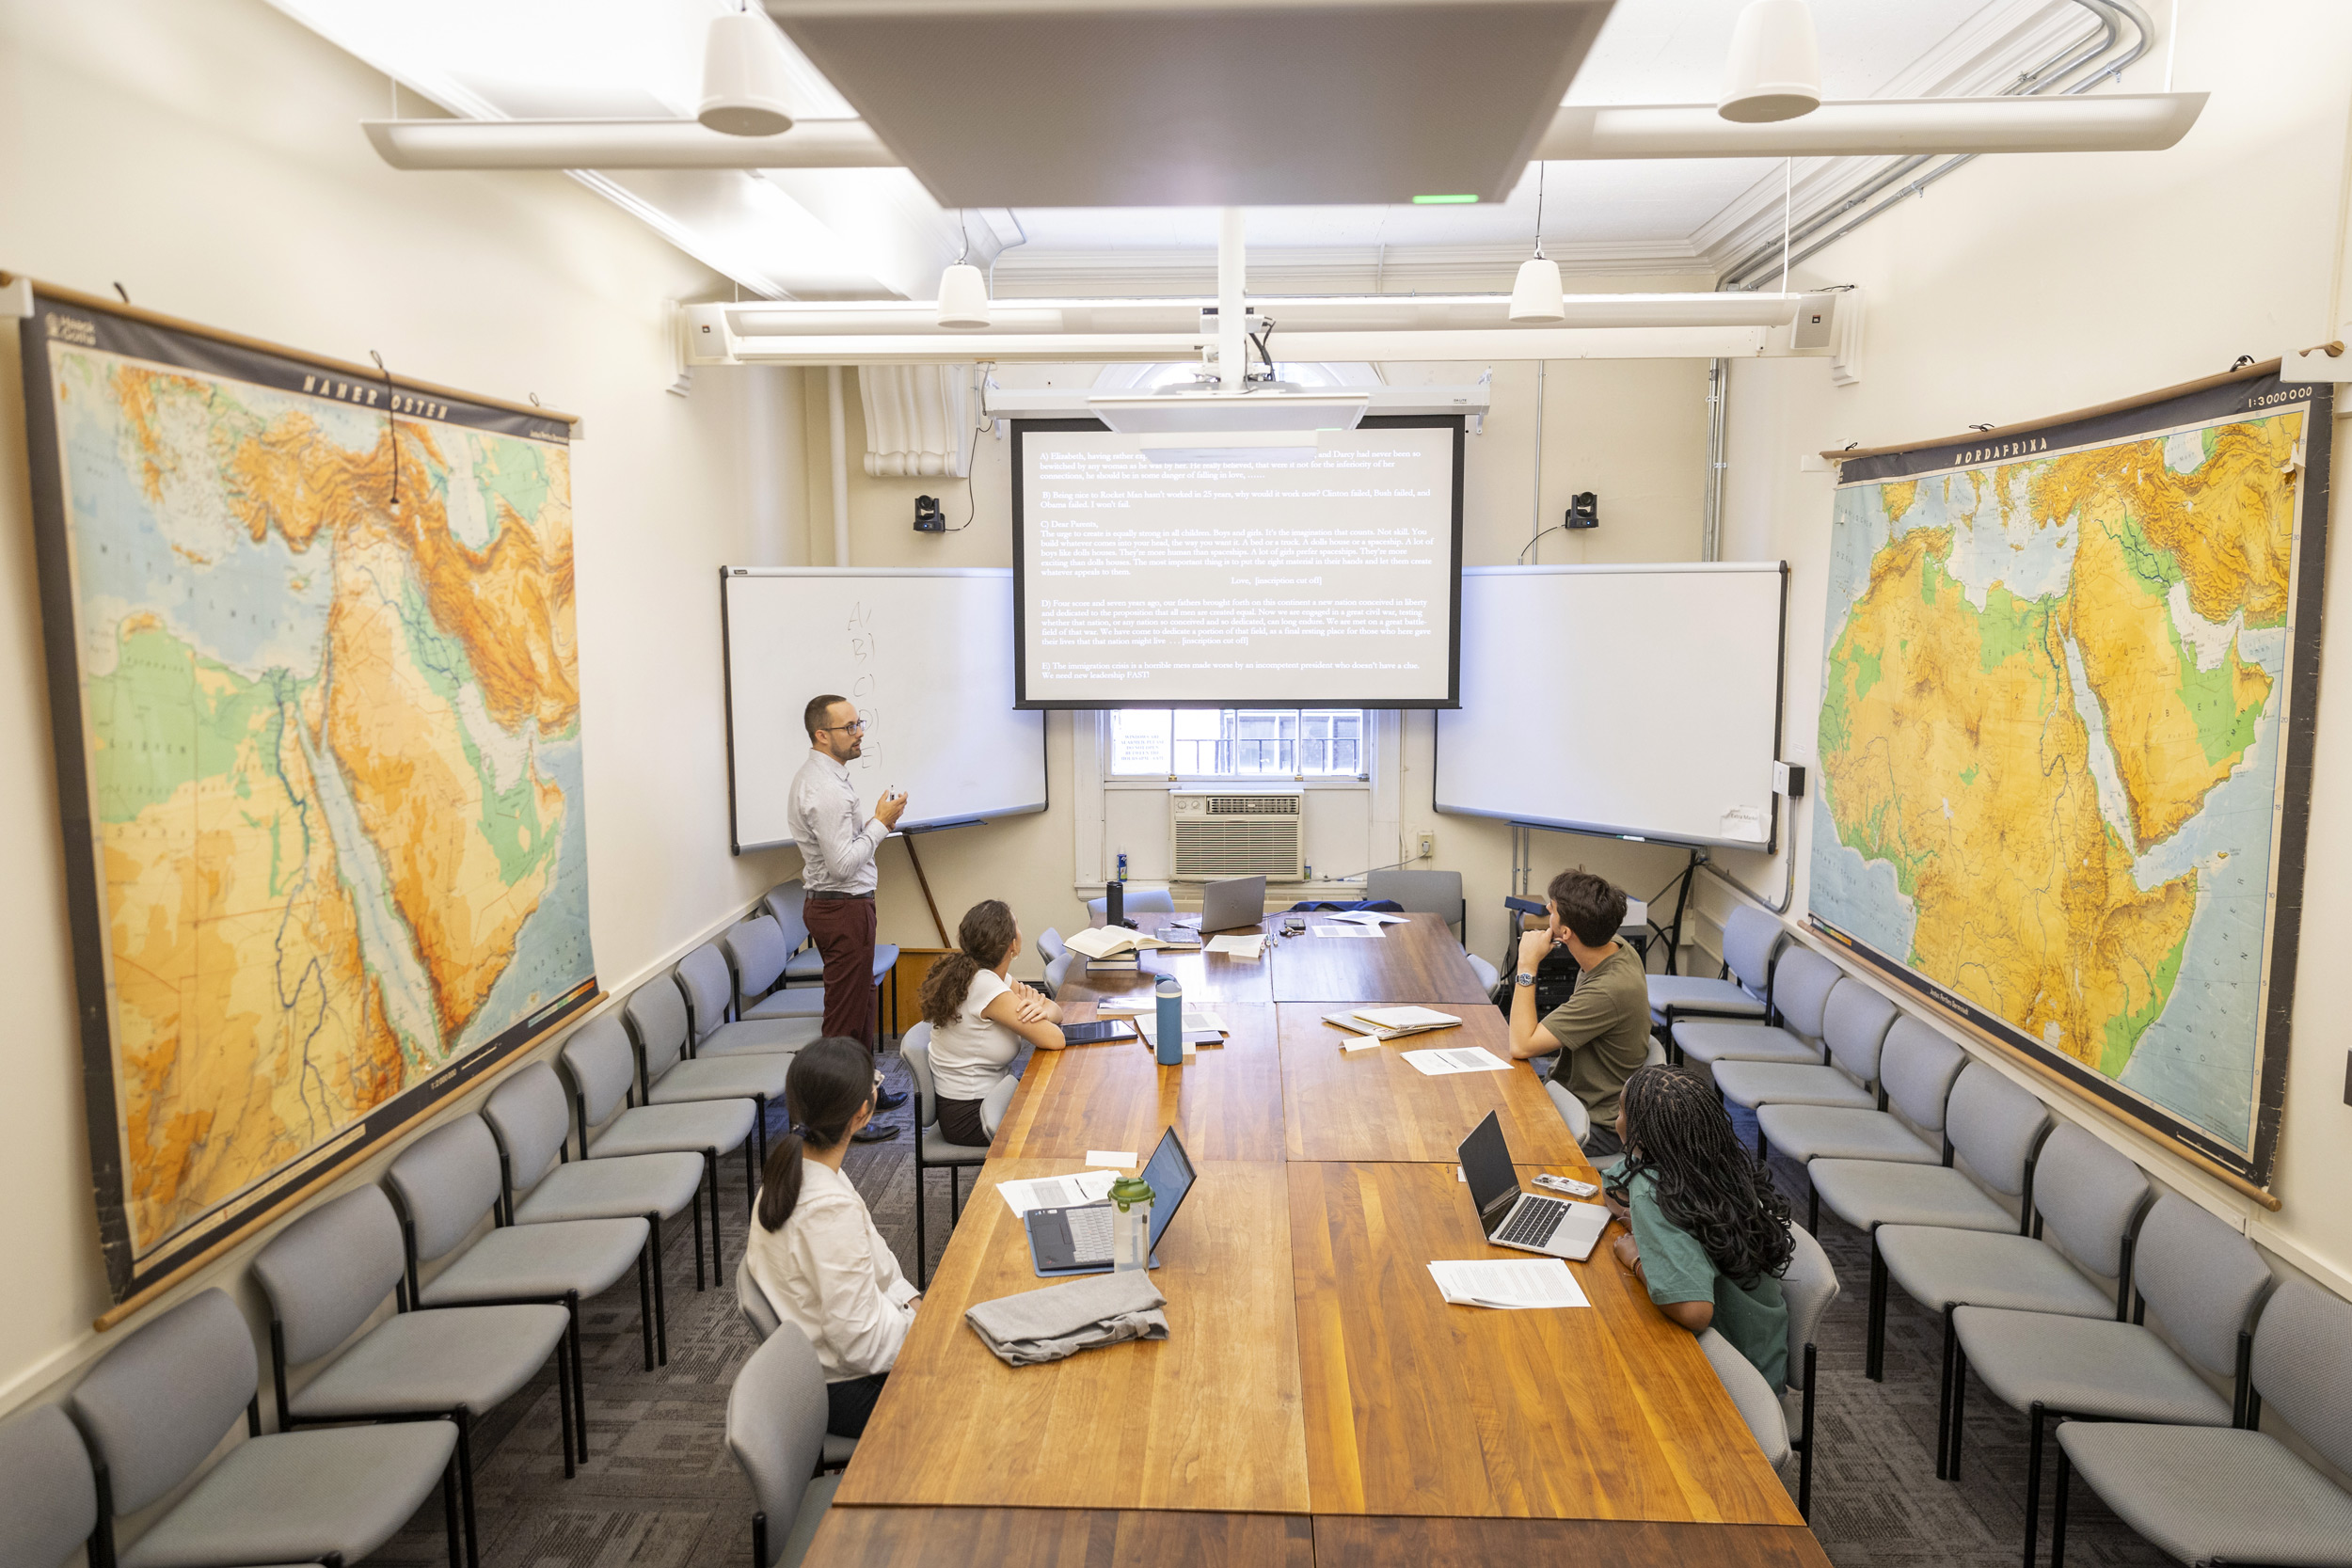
(1077,1240)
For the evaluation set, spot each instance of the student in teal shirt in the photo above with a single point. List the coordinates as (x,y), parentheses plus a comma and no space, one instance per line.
(1708,1231)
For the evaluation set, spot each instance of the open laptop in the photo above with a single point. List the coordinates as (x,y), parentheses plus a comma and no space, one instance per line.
(1551,1225)
(1230,905)
(1077,1240)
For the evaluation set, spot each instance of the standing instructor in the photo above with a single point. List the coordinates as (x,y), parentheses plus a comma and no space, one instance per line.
(837,845)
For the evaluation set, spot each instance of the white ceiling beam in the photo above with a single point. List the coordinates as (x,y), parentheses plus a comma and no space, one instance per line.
(2095,123)
(515,144)
(1181,317)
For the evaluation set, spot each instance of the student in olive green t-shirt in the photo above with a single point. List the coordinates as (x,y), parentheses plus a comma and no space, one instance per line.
(1602,1030)
(1708,1230)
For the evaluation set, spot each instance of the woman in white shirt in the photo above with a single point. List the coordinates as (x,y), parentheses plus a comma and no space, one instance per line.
(825,1269)
(978,1019)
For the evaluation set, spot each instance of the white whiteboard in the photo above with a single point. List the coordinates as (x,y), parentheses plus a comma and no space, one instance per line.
(926,656)
(1639,700)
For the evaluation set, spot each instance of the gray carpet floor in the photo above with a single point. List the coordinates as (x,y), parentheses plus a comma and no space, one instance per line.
(660,1489)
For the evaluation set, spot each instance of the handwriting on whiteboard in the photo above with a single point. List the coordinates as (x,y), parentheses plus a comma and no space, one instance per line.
(865,648)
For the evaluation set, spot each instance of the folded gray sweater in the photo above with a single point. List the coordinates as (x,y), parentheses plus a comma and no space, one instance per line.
(1063,1320)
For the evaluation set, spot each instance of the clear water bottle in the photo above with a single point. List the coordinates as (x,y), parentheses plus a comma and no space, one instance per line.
(1170,1024)
(1131,1224)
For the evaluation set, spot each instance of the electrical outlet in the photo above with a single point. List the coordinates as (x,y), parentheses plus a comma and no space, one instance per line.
(1427,844)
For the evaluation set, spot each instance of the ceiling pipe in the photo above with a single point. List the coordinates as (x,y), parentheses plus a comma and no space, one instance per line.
(609,144)
(1183,315)
(1232,362)
(2113,122)
(1657,342)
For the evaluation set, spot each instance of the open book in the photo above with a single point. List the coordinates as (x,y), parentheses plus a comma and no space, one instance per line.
(1109,942)
(1389,1023)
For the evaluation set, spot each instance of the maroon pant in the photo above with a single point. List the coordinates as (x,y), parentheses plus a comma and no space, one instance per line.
(843,929)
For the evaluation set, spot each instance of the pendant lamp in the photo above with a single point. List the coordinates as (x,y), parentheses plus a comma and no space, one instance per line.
(1775,69)
(963,296)
(747,78)
(1535,294)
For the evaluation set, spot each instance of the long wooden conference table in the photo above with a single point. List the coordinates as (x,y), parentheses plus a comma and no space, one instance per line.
(1316,1402)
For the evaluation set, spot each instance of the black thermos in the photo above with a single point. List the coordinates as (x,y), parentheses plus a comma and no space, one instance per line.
(1114,903)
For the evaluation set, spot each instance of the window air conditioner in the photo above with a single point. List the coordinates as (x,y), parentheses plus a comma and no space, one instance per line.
(1216,833)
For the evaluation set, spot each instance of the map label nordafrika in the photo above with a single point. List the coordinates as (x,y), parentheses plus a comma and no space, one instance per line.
(2051,744)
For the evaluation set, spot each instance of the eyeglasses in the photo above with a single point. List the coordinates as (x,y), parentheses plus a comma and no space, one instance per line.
(850,728)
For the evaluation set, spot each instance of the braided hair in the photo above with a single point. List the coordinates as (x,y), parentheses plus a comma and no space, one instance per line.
(827,1083)
(1708,1181)
(982,943)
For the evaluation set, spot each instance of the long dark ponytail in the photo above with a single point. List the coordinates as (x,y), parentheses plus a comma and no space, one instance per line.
(1708,1181)
(827,1083)
(982,943)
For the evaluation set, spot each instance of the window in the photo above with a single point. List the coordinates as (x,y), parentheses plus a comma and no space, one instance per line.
(1237,742)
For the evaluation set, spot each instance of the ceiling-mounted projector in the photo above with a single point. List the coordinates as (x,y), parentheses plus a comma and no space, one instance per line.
(1219,413)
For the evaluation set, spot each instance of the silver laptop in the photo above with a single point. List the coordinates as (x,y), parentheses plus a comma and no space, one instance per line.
(1230,905)
(1551,1225)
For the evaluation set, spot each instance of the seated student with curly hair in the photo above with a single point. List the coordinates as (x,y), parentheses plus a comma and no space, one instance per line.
(978,1019)
(1708,1230)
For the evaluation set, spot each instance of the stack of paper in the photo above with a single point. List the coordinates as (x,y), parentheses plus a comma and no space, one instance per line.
(1460,1058)
(1350,929)
(1511,1283)
(1057,1191)
(1201,1027)
(1374,917)
(1387,1023)
(1251,946)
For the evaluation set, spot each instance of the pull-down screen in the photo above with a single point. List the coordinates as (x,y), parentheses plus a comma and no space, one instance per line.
(1238,579)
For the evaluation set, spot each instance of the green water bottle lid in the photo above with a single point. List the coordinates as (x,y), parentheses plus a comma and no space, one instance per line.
(1130,1190)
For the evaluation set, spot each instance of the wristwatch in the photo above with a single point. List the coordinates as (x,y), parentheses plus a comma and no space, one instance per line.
(1524,978)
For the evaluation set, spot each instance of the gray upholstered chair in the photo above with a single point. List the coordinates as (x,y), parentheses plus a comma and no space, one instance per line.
(2086,1198)
(1994,1128)
(446,1182)
(2204,1280)
(1050,946)
(327,1274)
(660,1028)
(1488,976)
(1751,937)
(758,952)
(1573,1111)
(2237,1494)
(160,1402)
(1917,1066)
(760,1316)
(48,1497)
(1142,900)
(541,1185)
(1056,975)
(706,981)
(785,901)
(1782,1421)
(776,1431)
(933,1151)
(599,1063)
(1801,983)
(1854,1023)
(1436,892)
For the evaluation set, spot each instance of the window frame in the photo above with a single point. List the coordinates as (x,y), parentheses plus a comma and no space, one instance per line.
(1360,776)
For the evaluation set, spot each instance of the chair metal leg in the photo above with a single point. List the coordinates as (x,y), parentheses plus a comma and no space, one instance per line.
(2058,1515)
(2033,1486)
(660,1307)
(1805,1464)
(1960,1401)
(1943,1403)
(564,1403)
(463,1418)
(922,1237)
(1873,1355)
(718,1259)
(580,1375)
(1812,1205)
(449,1511)
(695,1208)
(644,1291)
(751,1169)
(955,1197)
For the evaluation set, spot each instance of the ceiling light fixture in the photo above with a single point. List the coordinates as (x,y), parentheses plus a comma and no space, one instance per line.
(1536,296)
(747,77)
(962,291)
(1775,71)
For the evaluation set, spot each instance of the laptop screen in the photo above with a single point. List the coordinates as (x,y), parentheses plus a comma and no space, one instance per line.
(1170,1177)
(1487,1167)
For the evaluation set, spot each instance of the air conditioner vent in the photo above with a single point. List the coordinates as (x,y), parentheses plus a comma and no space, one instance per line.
(1236,833)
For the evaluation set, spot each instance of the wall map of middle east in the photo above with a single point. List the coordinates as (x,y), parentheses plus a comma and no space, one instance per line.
(2065,742)
(316,699)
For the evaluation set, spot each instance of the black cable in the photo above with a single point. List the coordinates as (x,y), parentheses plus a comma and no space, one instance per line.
(1556,528)
(971,458)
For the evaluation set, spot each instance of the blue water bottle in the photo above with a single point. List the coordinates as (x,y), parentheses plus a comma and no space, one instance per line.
(1170,1049)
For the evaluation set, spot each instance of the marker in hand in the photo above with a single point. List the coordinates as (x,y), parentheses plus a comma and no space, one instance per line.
(892,805)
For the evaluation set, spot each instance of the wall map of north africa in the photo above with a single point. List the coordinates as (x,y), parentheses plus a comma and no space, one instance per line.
(2058,742)
(323,804)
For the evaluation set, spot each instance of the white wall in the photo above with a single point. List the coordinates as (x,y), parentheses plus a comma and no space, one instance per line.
(2025,287)
(209,157)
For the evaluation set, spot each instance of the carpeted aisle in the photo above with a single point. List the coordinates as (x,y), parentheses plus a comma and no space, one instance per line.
(660,1489)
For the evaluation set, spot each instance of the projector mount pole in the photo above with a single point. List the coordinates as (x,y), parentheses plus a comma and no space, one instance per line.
(1233,363)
